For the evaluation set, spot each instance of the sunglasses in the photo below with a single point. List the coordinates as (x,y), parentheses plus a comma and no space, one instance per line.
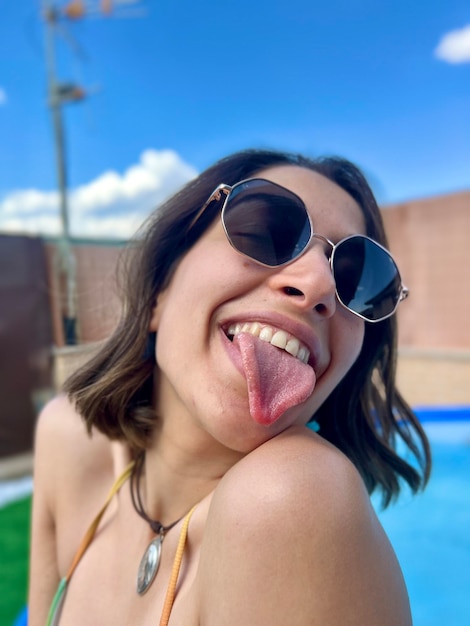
(271,225)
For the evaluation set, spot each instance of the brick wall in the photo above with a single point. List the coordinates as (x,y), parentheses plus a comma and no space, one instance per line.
(430,239)
(98,303)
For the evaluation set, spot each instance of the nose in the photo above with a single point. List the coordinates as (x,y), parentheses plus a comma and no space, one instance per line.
(309,281)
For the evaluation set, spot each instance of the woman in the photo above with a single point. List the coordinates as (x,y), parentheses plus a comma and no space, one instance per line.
(249,311)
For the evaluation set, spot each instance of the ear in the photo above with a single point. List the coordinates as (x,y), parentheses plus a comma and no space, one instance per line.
(157,312)
(154,318)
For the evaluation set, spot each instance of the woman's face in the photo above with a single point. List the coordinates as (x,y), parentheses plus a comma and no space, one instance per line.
(238,392)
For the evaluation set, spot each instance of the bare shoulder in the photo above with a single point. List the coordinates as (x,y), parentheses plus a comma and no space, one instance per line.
(60,422)
(63,447)
(61,429)
(291,531)
(295,471)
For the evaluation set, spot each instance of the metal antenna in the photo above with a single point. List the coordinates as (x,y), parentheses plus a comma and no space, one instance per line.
(60,93)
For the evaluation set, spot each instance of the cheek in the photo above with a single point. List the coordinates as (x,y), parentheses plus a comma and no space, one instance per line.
(349,337)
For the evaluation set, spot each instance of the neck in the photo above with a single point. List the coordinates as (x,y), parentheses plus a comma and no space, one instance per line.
(179,473)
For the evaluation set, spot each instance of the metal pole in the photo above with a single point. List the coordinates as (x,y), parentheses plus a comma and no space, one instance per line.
(66,267)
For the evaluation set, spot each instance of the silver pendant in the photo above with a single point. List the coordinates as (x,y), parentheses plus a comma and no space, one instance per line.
(149,565)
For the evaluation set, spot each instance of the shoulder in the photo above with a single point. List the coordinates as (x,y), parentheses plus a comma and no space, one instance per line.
(63,443)
(291,526)
(63,447)
(295,469)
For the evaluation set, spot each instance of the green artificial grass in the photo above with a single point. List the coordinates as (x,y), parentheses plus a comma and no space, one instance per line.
(14,552)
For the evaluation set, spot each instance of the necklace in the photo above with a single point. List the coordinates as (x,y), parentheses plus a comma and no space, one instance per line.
(150,561)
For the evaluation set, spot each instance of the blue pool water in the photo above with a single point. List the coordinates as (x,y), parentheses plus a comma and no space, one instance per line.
(431,532)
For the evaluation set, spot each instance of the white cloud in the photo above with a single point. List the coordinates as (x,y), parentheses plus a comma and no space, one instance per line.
(3,96)
(454,46)
(110,207)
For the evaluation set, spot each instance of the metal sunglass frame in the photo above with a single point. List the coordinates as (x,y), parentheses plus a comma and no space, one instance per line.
(228,189)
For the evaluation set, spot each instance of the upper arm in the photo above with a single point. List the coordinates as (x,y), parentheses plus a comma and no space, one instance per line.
(43,570)
(283,550)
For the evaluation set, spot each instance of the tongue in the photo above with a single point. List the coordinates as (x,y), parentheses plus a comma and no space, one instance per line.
(276,380)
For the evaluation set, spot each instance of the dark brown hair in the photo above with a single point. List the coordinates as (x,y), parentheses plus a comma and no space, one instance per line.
(365,416)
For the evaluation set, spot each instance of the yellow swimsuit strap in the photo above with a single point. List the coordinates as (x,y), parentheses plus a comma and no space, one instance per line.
(171,591)
(88,538)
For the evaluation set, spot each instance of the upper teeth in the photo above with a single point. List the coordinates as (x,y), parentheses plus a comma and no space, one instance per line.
(275,337)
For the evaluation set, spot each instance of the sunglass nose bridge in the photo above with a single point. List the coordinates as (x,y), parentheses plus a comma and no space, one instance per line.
(325,240)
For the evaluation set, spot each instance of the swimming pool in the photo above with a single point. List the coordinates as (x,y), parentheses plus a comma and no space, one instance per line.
(431,532)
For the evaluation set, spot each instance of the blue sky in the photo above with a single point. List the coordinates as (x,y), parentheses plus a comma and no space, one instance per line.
(172,86)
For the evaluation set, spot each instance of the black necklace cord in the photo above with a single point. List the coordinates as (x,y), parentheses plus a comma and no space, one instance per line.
(136,498)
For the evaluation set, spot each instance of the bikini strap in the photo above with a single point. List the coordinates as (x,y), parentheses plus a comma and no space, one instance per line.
(171,590)
(87,539)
